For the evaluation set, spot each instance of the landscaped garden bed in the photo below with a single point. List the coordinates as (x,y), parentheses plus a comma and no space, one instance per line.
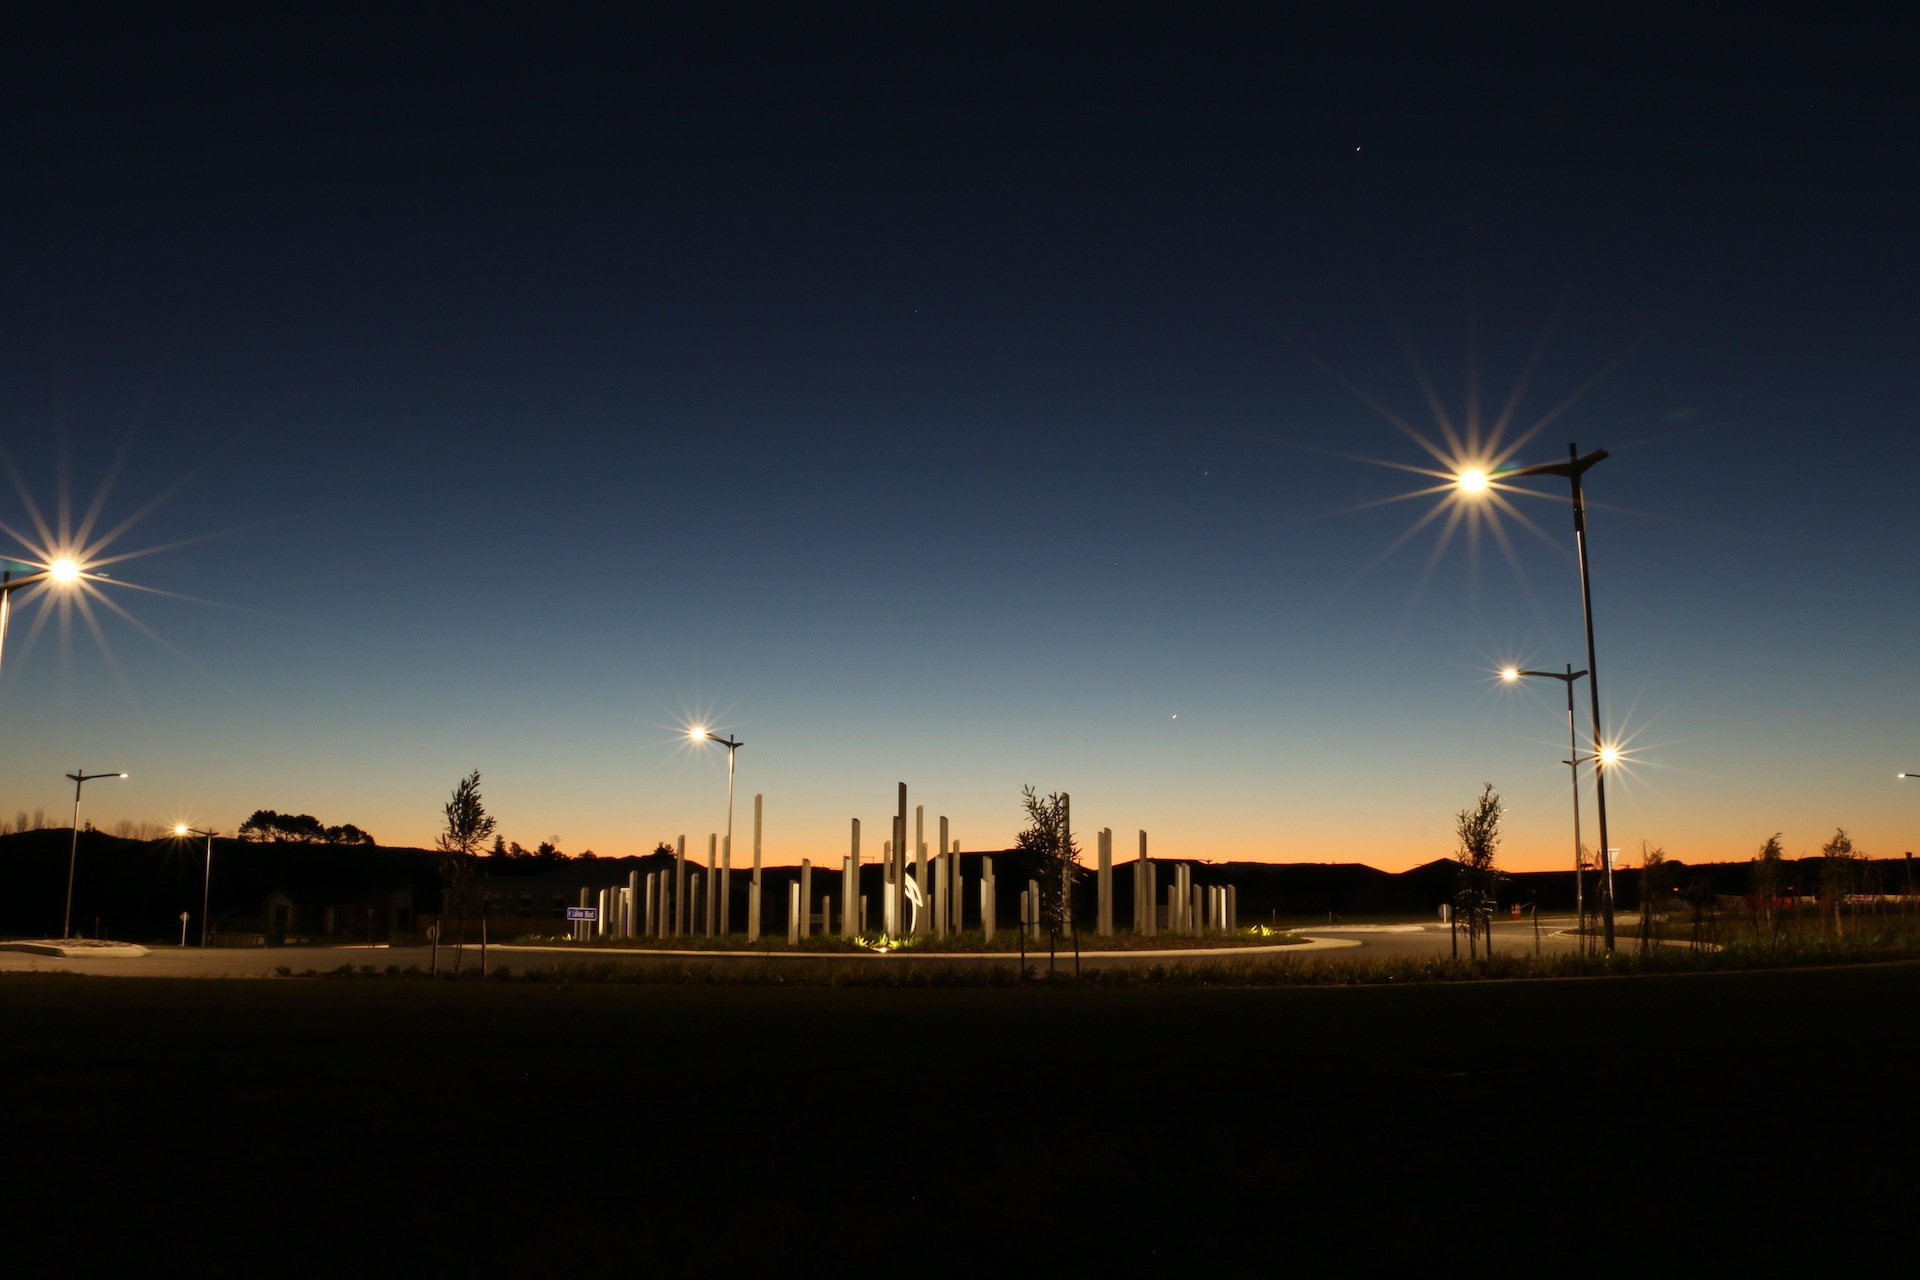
(1005,940)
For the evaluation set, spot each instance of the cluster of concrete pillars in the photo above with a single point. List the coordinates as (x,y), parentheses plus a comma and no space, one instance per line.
(922,892)
(1146,892)
(682,902)
(1190,909)
(924,895)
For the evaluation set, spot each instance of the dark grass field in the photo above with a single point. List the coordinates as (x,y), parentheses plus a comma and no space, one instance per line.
(410,1128)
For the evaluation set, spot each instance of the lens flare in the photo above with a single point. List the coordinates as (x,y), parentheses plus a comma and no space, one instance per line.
(64,571)
(1472,481)
(1510,674)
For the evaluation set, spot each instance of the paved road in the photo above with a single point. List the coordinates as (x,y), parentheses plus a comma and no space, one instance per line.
(194,962)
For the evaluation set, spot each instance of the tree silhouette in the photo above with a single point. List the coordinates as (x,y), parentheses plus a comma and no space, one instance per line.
(1475,877)
(462,837)
(1055,860)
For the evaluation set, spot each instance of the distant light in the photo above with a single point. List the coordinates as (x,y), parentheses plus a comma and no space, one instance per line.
(180,829)
(123,775)
(64,571)
(1609,754)
(696,734)
(1472,481)
(1510,674)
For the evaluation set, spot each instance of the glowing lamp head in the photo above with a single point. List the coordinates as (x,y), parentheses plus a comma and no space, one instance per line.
(1472,481)
(1609,755)
(1510,674)
(64,571)
(697,735)
(180,829)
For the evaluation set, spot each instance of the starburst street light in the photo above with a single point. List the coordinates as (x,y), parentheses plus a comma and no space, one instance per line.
(62,572)
(206,889)
(1574,468)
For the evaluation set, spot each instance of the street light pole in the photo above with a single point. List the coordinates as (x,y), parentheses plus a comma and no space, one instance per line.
(206,889)
(1573,469)
(1573,767)
(60,571)
(80,779)
(732,745)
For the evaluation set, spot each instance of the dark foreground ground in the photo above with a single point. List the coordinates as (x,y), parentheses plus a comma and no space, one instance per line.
(247,1127)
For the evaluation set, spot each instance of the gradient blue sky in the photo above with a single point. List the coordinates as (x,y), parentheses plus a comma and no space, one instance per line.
(956,396)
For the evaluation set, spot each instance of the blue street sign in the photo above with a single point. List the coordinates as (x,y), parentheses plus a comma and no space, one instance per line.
(583,913)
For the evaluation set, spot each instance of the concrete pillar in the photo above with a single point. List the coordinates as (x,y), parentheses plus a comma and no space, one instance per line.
(897,895)
(1194,909)
(651,927)
(680,921)
(580,926)
(989,914)
(958,899)
(600,921)
(922,916)
(706,907)
(753,886)
(793,913)
(863,913)
(943,921)
(1033,910)
(1103,918)
(806,897)
(696,900)
(1137,868)
(634,899)
(1025,928)
(1233,909)
(1152,876)
(850,886)
(939,869)
(886,886)
(726,885)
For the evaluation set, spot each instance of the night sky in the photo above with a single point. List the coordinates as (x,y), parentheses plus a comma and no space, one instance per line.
(968,396)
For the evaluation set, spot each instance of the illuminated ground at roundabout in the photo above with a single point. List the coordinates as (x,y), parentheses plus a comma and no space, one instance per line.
(186,962)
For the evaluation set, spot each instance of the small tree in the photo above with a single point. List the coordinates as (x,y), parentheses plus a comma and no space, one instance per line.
(1055,859)
(1768,878)
(1475,877)
(1837,873)
(462,839)
(1655,878)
